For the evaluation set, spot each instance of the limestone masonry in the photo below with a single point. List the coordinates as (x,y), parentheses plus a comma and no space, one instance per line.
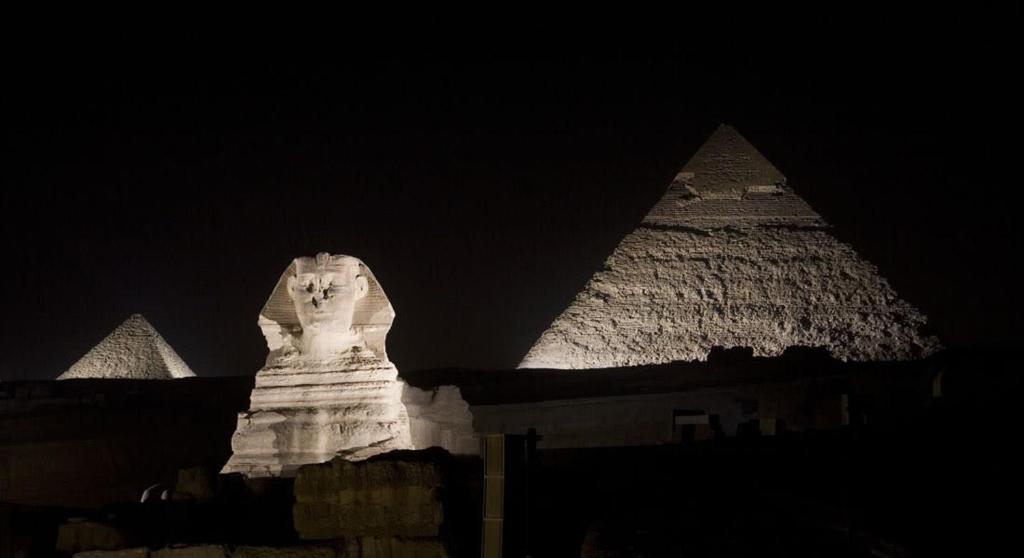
(399,494)
(731,256)
(328,387)
(134,350)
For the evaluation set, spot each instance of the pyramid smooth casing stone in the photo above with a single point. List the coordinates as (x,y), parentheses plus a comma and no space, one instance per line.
(731,257)
(134,350)
(328,387)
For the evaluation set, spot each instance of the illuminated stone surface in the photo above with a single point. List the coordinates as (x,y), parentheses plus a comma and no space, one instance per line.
(440,417)
(730,256)
(134,350)
(328,387)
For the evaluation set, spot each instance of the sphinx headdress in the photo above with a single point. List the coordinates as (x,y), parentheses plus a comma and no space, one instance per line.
(371,320)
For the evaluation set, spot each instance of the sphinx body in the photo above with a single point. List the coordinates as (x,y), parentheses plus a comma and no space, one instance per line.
(328,387)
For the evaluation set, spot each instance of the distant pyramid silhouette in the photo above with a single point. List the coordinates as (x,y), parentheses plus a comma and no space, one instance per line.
(730,256)
(134,350)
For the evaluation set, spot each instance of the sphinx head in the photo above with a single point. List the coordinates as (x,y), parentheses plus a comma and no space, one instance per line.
(324,306)
(325,290)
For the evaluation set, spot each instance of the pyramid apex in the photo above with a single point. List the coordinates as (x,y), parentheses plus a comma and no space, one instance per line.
(137,324)
(727,165)
(137,318)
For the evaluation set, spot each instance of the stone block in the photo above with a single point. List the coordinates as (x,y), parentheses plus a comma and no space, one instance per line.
(395,494)
(284,552)
(199,551)
(75,537)
(440,417)
(395,547)
(141,552)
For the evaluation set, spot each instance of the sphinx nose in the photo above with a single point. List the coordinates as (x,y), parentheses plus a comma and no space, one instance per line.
(319,295)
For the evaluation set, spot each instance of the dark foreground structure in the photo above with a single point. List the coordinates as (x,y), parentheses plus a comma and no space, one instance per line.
(798,455)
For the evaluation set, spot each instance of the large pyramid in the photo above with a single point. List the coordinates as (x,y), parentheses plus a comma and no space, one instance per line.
(731,257)
(134,350)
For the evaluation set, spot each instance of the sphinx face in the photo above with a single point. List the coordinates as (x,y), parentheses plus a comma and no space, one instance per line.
(325,299)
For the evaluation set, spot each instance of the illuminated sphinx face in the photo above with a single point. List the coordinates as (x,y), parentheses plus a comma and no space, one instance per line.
(325,291)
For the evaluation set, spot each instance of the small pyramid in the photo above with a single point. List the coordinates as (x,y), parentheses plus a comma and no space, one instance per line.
(731,257)
(134,350)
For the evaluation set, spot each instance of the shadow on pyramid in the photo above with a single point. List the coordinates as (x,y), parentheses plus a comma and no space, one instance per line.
(133,351)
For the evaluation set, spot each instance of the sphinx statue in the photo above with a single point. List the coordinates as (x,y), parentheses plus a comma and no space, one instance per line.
(327,388)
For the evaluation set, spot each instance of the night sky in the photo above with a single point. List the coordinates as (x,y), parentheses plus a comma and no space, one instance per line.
(482,184)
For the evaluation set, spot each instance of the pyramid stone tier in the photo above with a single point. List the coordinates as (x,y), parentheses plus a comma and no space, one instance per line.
(134,350)
(731,257)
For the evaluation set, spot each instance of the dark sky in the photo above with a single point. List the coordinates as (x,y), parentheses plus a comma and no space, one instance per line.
(483,184)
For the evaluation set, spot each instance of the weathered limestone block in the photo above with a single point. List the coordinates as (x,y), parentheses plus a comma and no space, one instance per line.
(328,387)
(142,552)
(396,494)
(201,551)
(78,536)
(393,547)
(283,552)
(731,257)
(440,417)
(134,350)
